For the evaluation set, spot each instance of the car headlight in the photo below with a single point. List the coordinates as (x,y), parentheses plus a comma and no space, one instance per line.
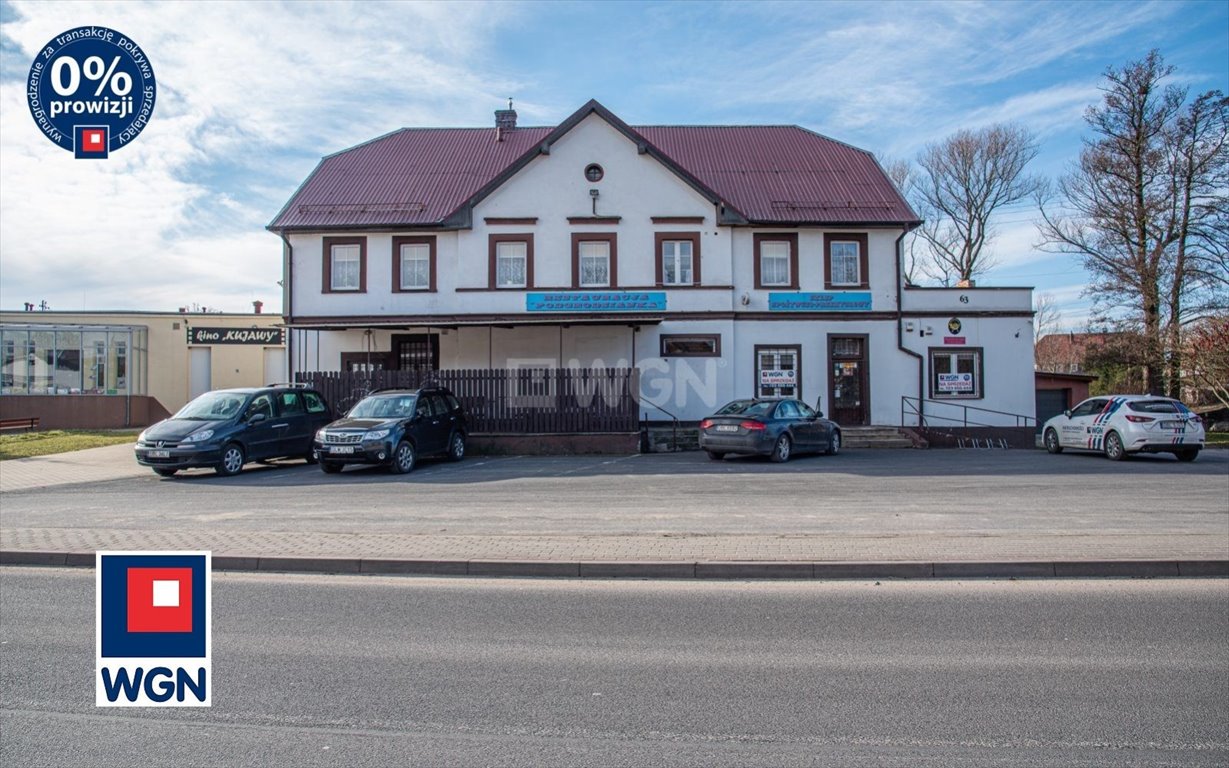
(141,437)
(320,435)
(376,434)
(197,437)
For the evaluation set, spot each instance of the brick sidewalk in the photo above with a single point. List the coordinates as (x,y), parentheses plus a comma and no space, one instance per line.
(619,548)
(92,465)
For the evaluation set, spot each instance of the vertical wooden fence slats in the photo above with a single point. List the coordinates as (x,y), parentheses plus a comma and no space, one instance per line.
(513,401)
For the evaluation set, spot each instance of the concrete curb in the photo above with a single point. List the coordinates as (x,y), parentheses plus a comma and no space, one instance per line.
(702,570)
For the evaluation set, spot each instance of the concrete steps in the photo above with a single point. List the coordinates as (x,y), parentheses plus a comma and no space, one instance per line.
(663,439)
(874,437)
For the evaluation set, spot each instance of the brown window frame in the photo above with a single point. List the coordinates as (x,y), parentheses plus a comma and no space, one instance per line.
(493,241)
(714,337)
(979,383)
(863,259)
(659,239)
(327,259)
(759,238)
(418,240)
(595,237)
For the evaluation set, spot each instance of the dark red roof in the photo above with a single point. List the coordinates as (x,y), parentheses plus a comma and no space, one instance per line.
(433,176)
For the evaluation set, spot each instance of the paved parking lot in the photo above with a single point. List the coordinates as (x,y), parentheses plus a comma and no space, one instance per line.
(862,505)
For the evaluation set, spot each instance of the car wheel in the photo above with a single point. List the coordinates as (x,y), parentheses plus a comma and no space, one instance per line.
(166,472)
(1051,441)
(834,445)
(781,451)
(330,467)
(403,459)
(1114,449)
(715,455)
(232,460)
(456,447)
(1187,455)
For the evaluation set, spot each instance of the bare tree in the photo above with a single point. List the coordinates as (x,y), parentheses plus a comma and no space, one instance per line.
(1208,357)
(963,180)
(1047,318)
(1143,207)
(903,176)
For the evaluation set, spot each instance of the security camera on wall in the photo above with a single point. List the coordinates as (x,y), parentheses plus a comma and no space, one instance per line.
(745,299)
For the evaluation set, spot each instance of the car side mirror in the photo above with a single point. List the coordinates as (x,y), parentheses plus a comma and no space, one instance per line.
(818,415)
(256,418)
(1067,413)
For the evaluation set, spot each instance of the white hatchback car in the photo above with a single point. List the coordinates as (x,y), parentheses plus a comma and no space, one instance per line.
(1124,424)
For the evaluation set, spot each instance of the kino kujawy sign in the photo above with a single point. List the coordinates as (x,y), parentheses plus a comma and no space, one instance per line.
(265,337)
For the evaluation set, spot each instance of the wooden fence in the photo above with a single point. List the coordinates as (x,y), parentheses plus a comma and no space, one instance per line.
(511,401)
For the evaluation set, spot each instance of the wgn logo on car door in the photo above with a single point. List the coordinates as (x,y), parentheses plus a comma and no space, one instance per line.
(153,633)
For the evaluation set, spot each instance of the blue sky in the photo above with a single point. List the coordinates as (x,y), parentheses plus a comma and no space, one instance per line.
(251,95)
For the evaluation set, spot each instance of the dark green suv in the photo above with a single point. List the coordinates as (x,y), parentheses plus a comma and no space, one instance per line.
(393,427)
(227,428)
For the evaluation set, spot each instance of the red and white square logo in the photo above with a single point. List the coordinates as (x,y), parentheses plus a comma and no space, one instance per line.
(92,141)
(159,599)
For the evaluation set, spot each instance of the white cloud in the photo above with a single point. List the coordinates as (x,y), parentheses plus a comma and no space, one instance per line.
(248,95)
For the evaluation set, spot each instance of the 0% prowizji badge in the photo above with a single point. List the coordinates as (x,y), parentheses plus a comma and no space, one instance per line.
(91,91)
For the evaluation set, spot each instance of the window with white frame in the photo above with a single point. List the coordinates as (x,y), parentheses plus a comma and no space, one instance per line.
(846,262)
(345,270)
(676,262)
(774,263)
(594,263)
(778,371)
(415,267)
(511,264)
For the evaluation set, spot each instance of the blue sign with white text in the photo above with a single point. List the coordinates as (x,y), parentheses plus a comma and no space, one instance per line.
(841,301)
(596,301)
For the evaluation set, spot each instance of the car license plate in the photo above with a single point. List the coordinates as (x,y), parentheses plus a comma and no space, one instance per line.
(159,454)
(1172,424)
(342,449)
(726,428)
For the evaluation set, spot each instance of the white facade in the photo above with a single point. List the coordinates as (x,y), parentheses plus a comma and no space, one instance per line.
(894,342)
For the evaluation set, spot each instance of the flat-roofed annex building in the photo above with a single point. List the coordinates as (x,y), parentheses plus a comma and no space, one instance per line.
(719,261)
(129,369)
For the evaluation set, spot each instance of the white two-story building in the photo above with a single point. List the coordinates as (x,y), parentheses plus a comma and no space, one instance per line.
(719,261)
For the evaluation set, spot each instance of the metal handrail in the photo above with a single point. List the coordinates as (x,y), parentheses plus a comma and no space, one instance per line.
(674,434)
(917,407)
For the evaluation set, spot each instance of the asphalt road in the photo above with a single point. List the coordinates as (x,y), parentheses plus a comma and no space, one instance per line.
(372,671)
(868,492)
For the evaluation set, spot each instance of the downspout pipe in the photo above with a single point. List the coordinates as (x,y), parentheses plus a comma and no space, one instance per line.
(288,303)
(900,320)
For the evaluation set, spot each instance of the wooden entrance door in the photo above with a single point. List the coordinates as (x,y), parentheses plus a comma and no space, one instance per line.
(848,381)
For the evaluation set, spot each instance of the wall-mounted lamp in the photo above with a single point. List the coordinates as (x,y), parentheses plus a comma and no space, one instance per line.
(745,299)
(593,193)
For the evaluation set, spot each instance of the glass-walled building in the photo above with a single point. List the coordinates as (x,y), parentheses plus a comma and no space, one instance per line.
(93,370)
(73,360)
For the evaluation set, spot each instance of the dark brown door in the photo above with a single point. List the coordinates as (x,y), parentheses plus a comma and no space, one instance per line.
(848,389)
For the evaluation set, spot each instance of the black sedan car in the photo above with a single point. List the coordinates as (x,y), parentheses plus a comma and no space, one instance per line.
(776,428)
(227,428)
(393,427)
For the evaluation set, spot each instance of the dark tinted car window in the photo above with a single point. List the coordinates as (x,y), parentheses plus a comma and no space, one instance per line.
(424,408)
(453,404)
(747,408)
(314,403)
(438,406)
(290,403)
(1088,408)
(260,404)
(787,410)
(806,410)
(1153,406)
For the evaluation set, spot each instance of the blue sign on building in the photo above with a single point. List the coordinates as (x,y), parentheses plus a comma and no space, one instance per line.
(841,301)
(596,301)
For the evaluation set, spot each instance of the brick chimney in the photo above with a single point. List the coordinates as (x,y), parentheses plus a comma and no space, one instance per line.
(505,120)
(258,305)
